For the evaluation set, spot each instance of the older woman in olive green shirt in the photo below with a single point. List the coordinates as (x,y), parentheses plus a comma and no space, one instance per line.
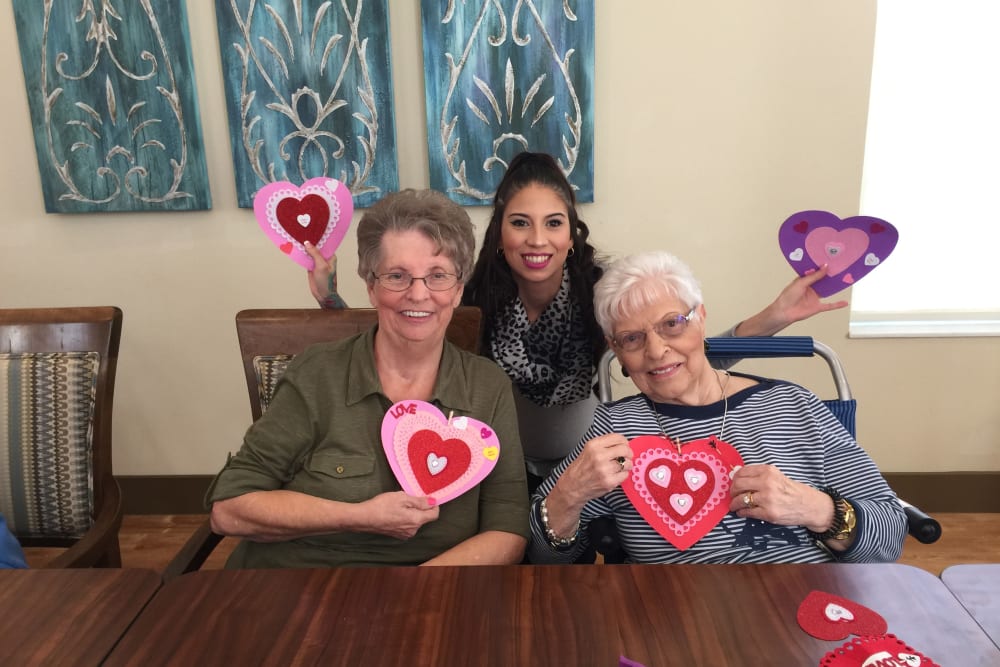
(312,487)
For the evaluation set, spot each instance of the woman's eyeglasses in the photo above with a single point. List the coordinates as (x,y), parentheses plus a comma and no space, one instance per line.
(669,327)
(400,282)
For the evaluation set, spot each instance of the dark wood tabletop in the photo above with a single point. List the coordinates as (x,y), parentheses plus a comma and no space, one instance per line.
(535,615)
(68,617)
(977,587)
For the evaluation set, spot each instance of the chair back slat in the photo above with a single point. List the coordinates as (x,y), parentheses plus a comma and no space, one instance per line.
(270,338)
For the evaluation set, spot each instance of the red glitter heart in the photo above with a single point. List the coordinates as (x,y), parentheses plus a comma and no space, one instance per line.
(304,219)
(452,454)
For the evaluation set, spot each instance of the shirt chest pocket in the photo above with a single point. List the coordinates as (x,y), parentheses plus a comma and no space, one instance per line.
(333,475)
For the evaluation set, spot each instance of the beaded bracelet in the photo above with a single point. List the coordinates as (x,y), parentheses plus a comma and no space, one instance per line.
(554,540)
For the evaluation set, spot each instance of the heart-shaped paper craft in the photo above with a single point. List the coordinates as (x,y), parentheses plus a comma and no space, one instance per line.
(851,248)
(682,496)
(880,651)
(319,212)
(434,456)
(831,617)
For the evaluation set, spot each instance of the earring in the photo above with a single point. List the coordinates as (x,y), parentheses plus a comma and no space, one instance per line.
(499,252)
(572,251)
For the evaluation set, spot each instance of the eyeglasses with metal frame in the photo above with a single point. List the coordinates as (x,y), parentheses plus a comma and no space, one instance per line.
(671,326)
(397,281)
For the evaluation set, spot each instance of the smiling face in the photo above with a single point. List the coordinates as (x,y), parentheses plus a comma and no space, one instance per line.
(535,236)
(670,369)
(416,314)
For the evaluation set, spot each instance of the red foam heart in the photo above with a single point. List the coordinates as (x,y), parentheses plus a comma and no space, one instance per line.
(885,651)
(286,248)
(437,462)
(304,219)
(801,226)
(828,616)
(682,496)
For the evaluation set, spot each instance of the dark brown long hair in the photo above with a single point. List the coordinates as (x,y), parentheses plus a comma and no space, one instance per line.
(492,285)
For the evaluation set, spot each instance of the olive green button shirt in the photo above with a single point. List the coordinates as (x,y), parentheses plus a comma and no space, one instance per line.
(321,435)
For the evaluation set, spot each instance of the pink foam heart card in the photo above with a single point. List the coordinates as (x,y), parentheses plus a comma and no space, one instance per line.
(433,455)
(682,495)
(851,247)
(318,212)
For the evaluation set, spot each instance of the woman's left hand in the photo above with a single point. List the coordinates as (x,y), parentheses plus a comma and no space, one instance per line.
(763,492)
(798,301)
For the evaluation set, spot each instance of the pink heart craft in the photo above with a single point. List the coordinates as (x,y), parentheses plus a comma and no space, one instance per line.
(851,247)
(682,496)
(433,455)
(319,212)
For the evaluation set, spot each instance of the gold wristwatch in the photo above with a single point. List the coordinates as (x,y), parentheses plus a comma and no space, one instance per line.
(849,521)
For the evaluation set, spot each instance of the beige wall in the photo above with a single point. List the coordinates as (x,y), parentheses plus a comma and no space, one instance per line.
(715,120)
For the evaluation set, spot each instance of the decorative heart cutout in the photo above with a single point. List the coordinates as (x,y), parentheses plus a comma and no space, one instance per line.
(428,455)
(319,212)
(682,496)
(882,651)
(835,612)
(827,616)
(852,246)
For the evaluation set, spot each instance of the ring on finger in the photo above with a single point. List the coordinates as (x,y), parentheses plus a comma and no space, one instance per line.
(748,499)
(621,463)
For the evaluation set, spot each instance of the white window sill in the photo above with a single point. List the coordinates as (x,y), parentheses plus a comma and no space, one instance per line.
(923,325)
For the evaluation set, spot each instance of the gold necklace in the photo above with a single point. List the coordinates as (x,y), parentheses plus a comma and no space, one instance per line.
(725,410)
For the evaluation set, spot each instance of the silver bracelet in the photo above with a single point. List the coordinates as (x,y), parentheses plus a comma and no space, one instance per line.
(554,540)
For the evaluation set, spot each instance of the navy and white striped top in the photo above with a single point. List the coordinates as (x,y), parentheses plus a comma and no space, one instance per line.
(773,422)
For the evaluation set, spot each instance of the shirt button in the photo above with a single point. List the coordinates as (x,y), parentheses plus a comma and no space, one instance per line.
(340,470)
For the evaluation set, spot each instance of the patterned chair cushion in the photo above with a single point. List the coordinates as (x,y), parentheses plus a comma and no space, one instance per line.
(46,438)
(269,369)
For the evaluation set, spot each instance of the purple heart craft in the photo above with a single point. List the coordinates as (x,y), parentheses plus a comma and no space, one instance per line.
(318,212)
(851,248)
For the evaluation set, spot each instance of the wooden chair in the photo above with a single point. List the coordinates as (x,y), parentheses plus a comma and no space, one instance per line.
(57,383)
(269,339)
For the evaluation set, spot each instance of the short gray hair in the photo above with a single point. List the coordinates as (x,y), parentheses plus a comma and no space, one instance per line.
(637,281)
(429,212)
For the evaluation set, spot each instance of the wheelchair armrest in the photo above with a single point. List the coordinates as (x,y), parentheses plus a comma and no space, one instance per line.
(924,528)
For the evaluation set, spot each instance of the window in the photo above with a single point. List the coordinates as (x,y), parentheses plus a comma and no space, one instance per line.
(932,169)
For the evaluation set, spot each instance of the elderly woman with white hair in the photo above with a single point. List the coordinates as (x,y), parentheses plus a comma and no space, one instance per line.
(793,487)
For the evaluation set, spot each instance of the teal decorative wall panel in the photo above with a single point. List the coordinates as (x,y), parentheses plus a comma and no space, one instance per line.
(113,106)
(504,76)
(309,94)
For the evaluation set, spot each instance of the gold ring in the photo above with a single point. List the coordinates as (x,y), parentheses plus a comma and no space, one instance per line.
(621,463)
(748,499)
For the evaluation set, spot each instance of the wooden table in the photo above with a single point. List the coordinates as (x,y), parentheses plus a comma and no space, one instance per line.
(977,587)
(535,615)
(68,617)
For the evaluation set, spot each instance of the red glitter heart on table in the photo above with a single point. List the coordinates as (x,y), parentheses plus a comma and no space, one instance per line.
(831,617)
(884,651)
(681,495)
(304,219)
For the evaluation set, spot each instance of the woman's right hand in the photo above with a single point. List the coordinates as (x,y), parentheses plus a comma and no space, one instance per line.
(601,467)
(397,514)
